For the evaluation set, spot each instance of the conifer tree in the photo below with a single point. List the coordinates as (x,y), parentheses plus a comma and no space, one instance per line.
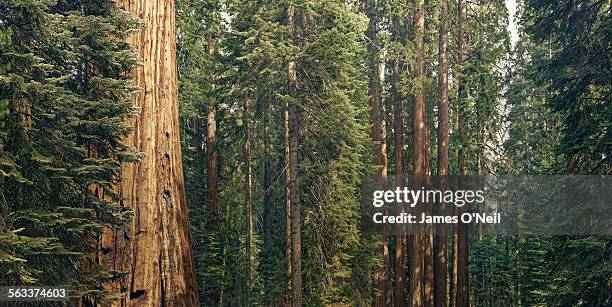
(199,35)
(64,98)
(155,250)
(440,243)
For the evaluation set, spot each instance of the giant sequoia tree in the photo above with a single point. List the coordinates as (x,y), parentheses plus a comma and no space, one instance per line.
(155,250)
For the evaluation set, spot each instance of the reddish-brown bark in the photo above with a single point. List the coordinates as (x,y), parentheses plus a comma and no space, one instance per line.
(155,249)
(419,158)
(440,244)
(462,244)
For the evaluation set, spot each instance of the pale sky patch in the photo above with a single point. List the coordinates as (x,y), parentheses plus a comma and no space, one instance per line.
(512,27)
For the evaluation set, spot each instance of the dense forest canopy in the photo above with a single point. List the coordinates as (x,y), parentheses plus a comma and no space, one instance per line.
(263,119)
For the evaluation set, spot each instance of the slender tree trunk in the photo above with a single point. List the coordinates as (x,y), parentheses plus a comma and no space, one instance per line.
(211,151)
(398,130)
(197,145)
(462,243)
(269,254)
(377,79)
(287,174)
(248,203)
(429,234)
(294,135)
(419,154)
(296,241)
(267,182)
(155,249)
(453,264)
(23,111)
(377,75)
(417,259)
(440,244)
(211,169)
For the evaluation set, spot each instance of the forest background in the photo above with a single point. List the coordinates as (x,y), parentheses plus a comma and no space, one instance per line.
(262,118)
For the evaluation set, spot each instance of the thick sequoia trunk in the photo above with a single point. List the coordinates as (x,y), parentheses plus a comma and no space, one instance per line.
(294,189)
(461,245)
(440,245)
(155,249)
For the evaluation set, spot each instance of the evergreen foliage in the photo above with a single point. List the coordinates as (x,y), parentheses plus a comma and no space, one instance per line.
(64,93)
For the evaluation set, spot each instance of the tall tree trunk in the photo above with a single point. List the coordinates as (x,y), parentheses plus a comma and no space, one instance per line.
(398,130)
(155,249)
(428,244)
(23,110)
(296,240)
(267,182)
(269,253)
(211,170)
(197,145)
(440,244)
(287,174)
(462,244)
(248,203)
(419,162)
(294,135)
(211,151)
(453,263)
(377,75)
(419,154)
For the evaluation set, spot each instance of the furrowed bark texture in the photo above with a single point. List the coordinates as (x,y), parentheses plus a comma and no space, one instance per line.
(155,249)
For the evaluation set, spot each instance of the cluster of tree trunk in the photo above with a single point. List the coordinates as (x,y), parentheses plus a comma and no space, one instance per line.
(427,251)
(155,251)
